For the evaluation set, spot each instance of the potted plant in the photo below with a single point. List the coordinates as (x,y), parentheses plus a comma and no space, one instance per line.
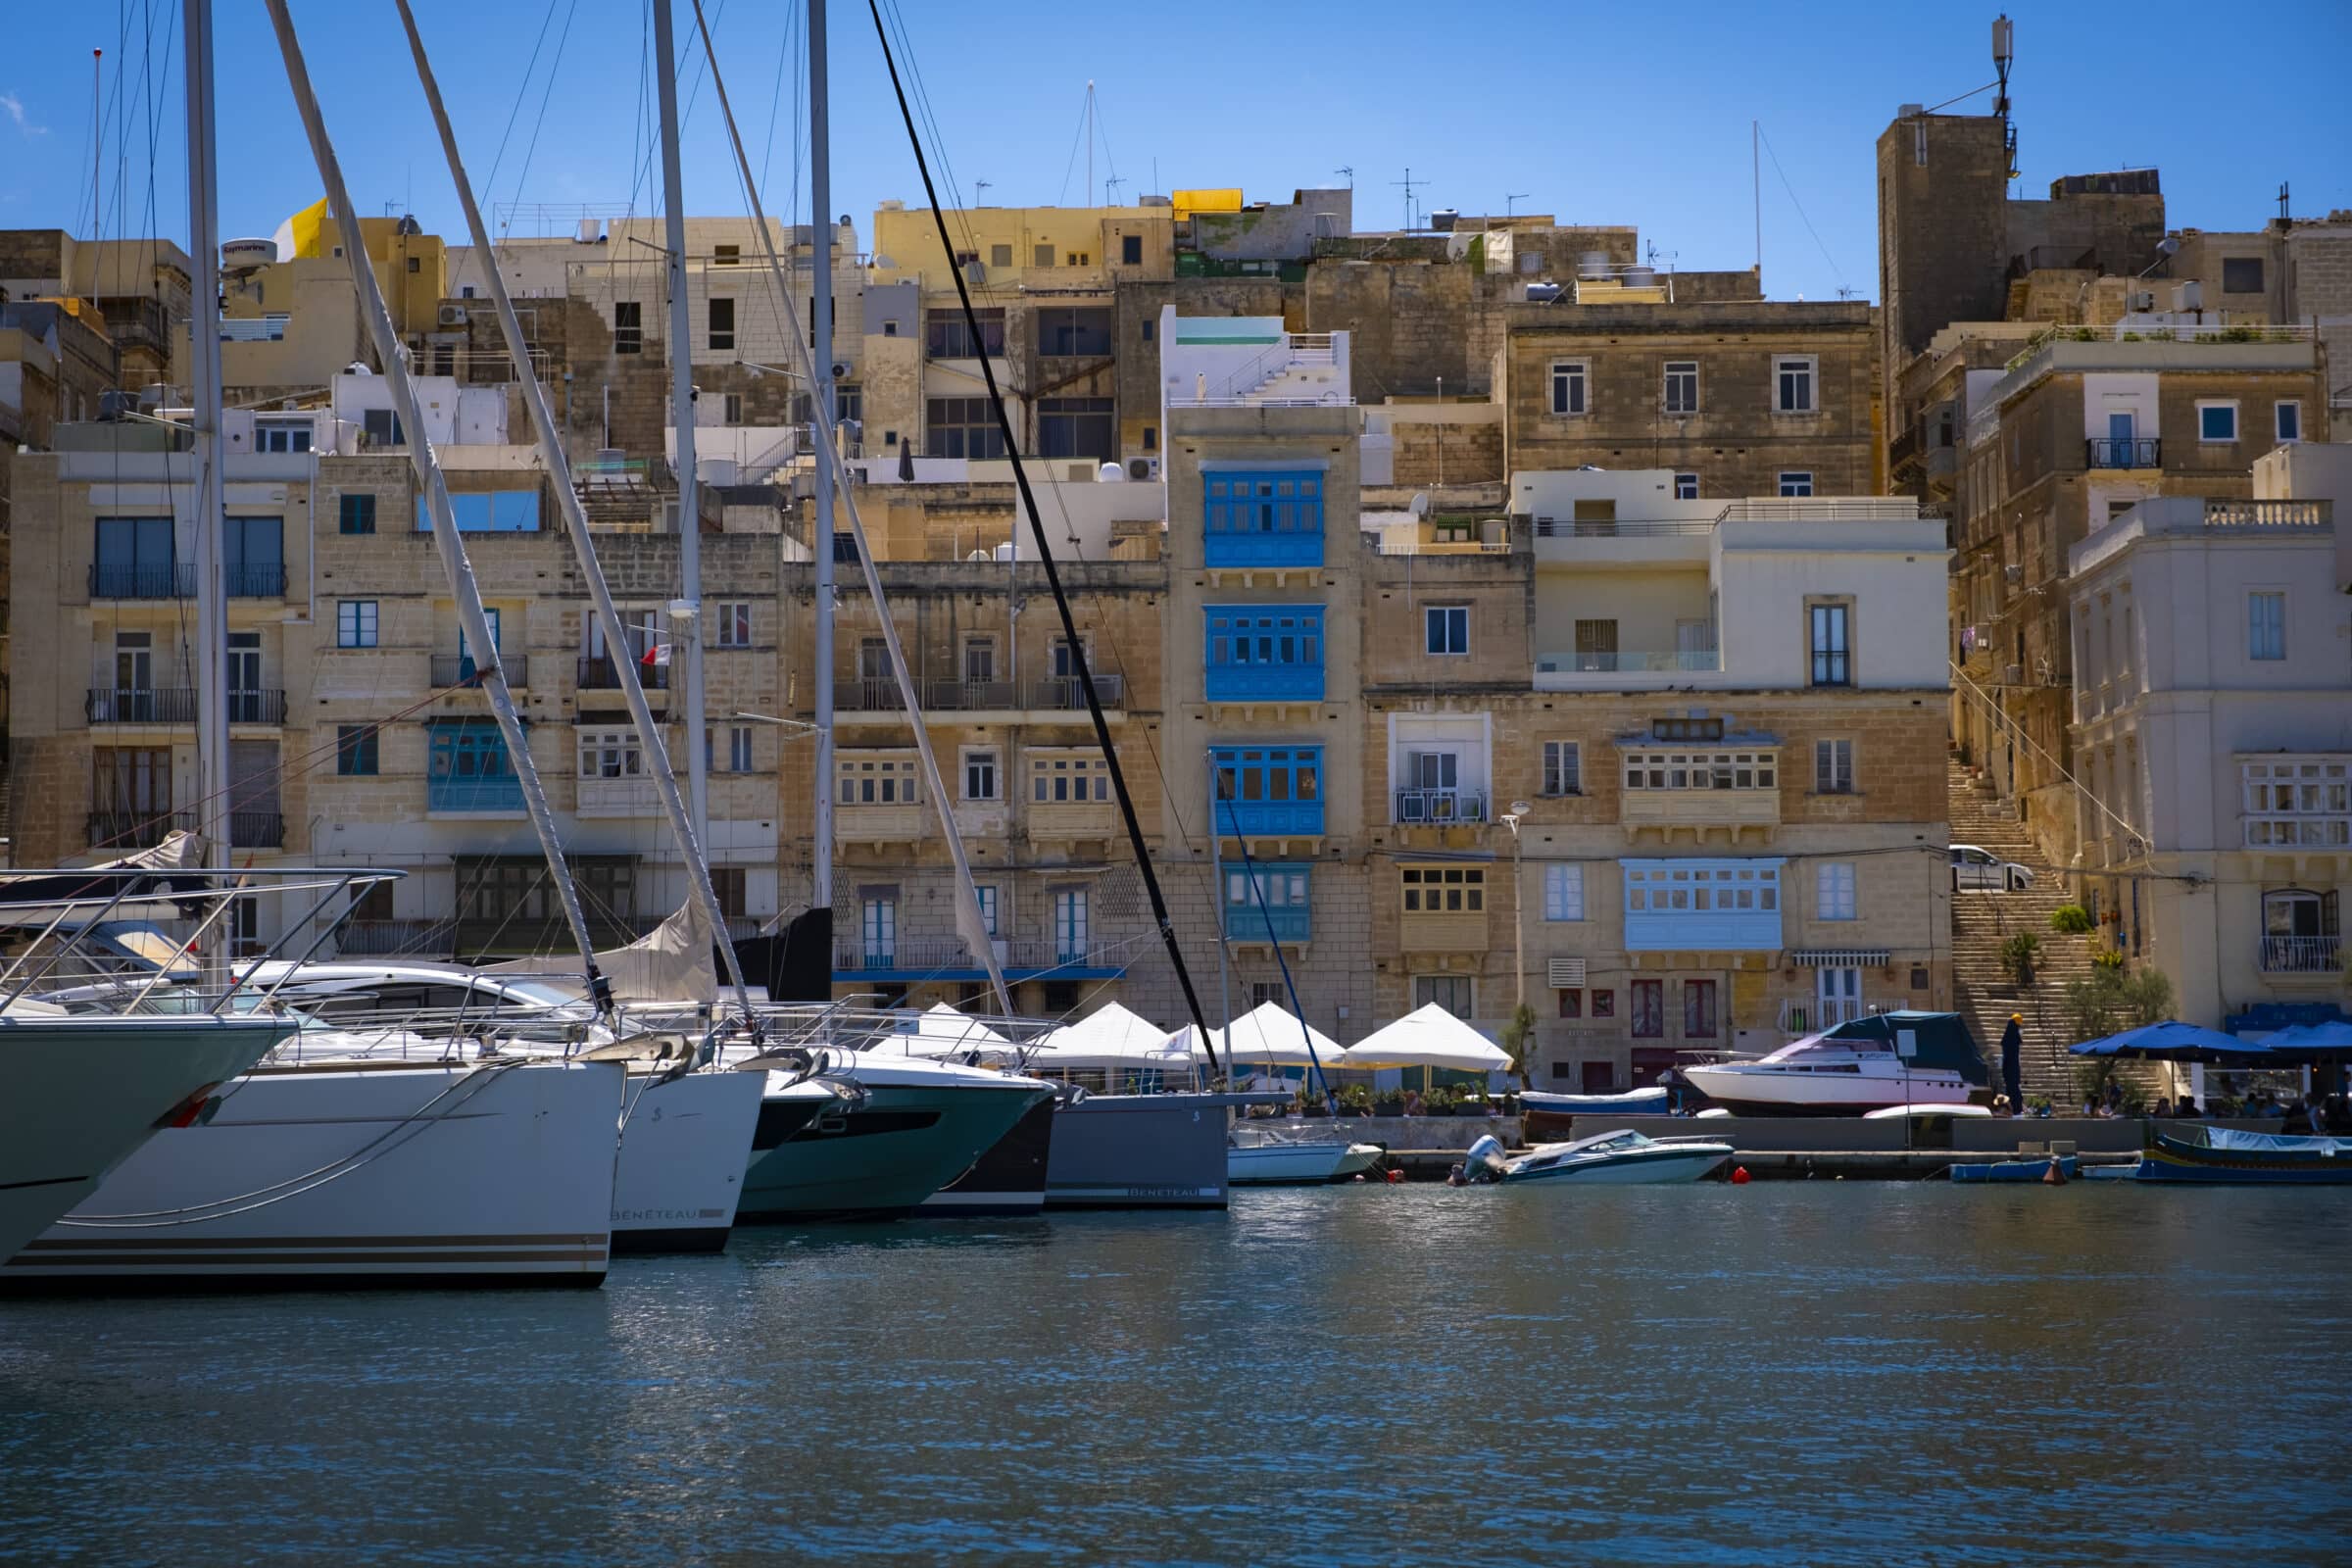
(1310,1103)
(1439,1101)
(1471,1102)
(2017,958)
(1356,1100)
(1389,1103)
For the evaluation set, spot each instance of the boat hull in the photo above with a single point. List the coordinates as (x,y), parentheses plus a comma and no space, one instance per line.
(1164,1150)
(1646,1168)
(481,1173)
(683,1152)
(1747,1093)
(882,1158)
(84,1094)
(1304,1164)
(2170,1159)
(1007,1181)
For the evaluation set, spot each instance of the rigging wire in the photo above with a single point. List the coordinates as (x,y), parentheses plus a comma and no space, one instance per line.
(1799,206)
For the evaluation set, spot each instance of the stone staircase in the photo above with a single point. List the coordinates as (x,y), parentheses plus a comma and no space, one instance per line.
(1982,919)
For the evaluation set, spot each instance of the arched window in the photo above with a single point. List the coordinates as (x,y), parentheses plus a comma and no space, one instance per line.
(2298,931)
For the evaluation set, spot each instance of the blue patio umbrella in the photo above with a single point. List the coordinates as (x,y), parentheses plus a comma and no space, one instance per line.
(2303,1042)
(2174,1041)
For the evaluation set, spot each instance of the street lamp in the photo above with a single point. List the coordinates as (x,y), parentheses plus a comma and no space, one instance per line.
(1510,820)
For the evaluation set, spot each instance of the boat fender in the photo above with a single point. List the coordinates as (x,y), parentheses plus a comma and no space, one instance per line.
(2054,1175)
(1740,1176)
(1394,1176)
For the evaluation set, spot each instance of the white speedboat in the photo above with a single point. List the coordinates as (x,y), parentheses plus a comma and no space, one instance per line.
(1610,1160)
(1825,1075)
(493,1172)
(1257,1158)
(84,1092)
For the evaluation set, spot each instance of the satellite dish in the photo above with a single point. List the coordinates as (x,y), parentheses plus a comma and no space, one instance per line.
(2168,246)
(1419,506)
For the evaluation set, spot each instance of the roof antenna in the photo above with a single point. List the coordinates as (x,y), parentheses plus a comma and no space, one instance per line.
(2004,43)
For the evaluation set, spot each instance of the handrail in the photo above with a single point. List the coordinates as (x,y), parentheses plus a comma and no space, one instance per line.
(2142,847)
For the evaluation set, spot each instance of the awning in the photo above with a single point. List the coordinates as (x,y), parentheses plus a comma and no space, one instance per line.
(1841,958)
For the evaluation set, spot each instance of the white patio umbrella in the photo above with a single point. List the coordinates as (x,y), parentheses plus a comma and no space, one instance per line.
(1426,1037)
(942,1031)
(1113,1037)
(1271,1037)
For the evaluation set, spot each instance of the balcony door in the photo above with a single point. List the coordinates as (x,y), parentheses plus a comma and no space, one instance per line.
(134,677)
(497,640)
(255,553)
(246,704)
(1597,646)
(1433,783)
(134,559)
(1838,993)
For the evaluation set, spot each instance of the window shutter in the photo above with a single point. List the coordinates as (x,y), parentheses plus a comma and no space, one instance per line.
(1565,973)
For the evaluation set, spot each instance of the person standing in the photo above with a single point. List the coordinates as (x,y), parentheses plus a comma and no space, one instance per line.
(2013,1052)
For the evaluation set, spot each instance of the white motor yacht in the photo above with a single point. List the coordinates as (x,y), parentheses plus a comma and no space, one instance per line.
(1824,1075)
(1620,1159)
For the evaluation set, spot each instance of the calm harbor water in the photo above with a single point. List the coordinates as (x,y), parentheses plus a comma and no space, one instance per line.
(1782,1373)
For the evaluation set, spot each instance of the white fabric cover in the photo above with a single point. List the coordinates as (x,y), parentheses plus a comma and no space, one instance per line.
(1426,1037)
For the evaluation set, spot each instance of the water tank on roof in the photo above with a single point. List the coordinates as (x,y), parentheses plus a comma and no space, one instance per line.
(1110,473)
(1444,220)
(1543,293)
(1592,265)
(1640,278)
(590,231)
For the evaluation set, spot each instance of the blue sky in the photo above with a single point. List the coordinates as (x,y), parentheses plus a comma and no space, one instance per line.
(1621,113)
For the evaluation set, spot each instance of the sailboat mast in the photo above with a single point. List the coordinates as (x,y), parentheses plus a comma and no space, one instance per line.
(204,342)
(821,395)
(689,625)
(446,542)
(575,519)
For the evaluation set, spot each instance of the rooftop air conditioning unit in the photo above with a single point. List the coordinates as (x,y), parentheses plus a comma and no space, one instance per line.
(1143,468)
(841,367)
(2143,301)
(2188,295)
(453,315)
(2013,674)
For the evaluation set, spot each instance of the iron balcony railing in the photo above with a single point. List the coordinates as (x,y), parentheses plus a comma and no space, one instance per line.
(2122,452)
(1441,806)
(175,580)
(127,829)
(928,954)
(461,669)
(263,579)
(2300,954)
(501,793)
(1629,661)
(600,674)
(257,707)
(139,704)
(1612,528)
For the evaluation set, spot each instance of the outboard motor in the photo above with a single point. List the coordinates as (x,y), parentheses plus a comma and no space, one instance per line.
(1484,1161)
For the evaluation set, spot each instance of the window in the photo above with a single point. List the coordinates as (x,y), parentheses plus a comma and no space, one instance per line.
(1041,255)
(254,551)
(1455,992)
(985,895)
(1267,790)
(1832,652)
(728,883)
(948,336)
(1792,378)
(1563,769)
(961,427)
(1263,651)
(1702,770)
(357,512)
(734,624)
(730,408)
(727,256)
(416,263)
(1685,487)
(1691,904)
(722,323)
(2265,625)
(1796,483)
(1070,924)
(1833,890)
(1832,767)
(610,753)
(1074,331)
(355,754)
(1604,1002)
(1077,427)
(2287,420)
(2301,931)
(283,435)
(2298,801)
(979,660)
(875,781)
(489,512)
(355,623)
(1681,386)
(1000,255)
(1131,249)
(849,404)
(980,773)
(878,925)
(1263,899)
(2242,274)
(1262,518)
(468,769)
(1698,1010)
(1563,892)
(1572,1005)
(1444,889)
(1446,628)
(1150,438)
(1568,385)
(380,428)
(628,327)
(2217,422)
(739,747)
(1068,780)
(1647,1020)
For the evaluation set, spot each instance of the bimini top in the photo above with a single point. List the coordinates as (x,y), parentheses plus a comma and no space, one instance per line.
(1937,1039)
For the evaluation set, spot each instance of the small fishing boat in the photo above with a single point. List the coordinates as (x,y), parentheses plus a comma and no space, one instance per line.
(2227,1156)
(2013,1171)
(1254,1158)
(1624,1157)
(1551,1117)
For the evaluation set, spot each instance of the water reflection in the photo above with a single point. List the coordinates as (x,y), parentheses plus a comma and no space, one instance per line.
(1812,1373)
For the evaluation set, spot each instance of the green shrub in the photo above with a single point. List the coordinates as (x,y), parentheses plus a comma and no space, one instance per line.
(2018,955)
(2071,920)
(2108,958)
